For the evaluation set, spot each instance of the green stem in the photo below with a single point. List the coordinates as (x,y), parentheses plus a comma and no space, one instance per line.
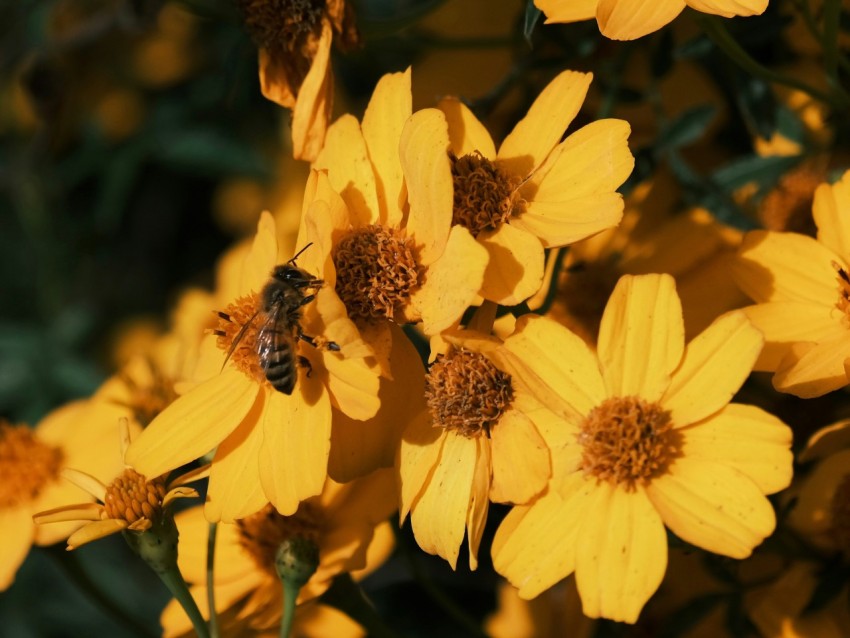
(158,548)
(290,596)
(211,536)
(344,594)
(70,565)
(295,561)
(718,34)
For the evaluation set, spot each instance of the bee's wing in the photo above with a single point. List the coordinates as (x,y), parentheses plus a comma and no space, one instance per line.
(266,335)
(238,338)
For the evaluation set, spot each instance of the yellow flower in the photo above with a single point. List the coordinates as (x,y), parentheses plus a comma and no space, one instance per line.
(648,439)
(391,249)
(130,502)
(631,19)
(484,439)
(536,191)
(295,71)
(271,446)
(346,522)
(31,461)
(802,290)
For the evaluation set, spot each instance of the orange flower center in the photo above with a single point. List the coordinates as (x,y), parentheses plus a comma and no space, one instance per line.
(484,196)
(840,515)
(282,26)
(261,534)
(467,393)
(237,329)
(627,440)
(788,207)
(26,465)
(131,497)
(583,292)
(147,402)
(376,272)
(843,303)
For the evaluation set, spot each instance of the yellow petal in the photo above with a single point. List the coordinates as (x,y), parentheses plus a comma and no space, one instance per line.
(563,223)
(85,482)
(812,514)
(48,501)
(621,553)
(94,531)
(535,546)
(451,283)
(315,97)
(476,517)
(785,323)
(641,337)
(832,201)
(235,490)
(729,8)
(534,137)
(418,455)
(714,368)
(747,438)
(439,517)
(77,512)
(231,561)
(370,499)
(274,83)
(825,441)
(468,135)
(346,160)
(786,267)
(296,443)
(178,492)
(631,19)
(423,151)
(558,367)
(595,160)
(812,370)
(712,506)
(572,11)
(520,458)
(388,110)
(353,386)
(326,216)
(194,424)
(261,259)
(515,267)
(16,530)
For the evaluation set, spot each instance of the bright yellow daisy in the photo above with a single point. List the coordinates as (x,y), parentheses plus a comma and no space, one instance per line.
(547,616)
(648,440)
(483,439)
(536,191)
(346,522)
(31,462)
(802,290)
(631,19)
(270,446)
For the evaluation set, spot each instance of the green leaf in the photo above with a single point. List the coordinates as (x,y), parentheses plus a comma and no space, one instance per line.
(532,15)
(753,168)
(686,129)
(206,152)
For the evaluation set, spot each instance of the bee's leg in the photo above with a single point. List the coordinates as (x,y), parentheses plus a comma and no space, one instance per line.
(304,362)
(319,343)
(306,300)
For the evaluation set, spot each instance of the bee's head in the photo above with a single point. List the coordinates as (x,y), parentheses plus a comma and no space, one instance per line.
(294,276)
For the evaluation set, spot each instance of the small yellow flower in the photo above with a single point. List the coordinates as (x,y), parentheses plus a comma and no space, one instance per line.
(31,462)
(346,522)
(631,19)
(648,440)
(802,290)
(483,439)
(536,191)
(294,39)
(270,446)
(130,502)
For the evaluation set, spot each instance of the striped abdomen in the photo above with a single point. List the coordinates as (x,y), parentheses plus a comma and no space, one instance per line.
(278,363)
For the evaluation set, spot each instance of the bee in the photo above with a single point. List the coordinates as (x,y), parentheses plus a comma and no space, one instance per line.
(289,289)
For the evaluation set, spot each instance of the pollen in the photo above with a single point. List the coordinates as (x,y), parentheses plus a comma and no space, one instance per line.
(237,329)
(376,273)
(467,393)
(26,465)
(261,534)
(282,26)
(484,196)
(788,207)
(627,440)
(840,516)
(134,499)
(843,303)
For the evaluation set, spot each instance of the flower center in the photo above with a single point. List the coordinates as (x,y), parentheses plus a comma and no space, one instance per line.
(484,196)
(131,497)
(26,465)
(261,534)
(788,207)
(627,440)
(237,329)
(376,272)
(583,292)
(467,393)
(146,402)
(282,26)
(840,515)
(843,303)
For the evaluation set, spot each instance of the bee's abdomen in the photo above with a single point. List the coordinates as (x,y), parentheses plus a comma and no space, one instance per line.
(280,369)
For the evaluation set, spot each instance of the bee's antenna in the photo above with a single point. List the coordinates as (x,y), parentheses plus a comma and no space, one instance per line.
(298,254)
